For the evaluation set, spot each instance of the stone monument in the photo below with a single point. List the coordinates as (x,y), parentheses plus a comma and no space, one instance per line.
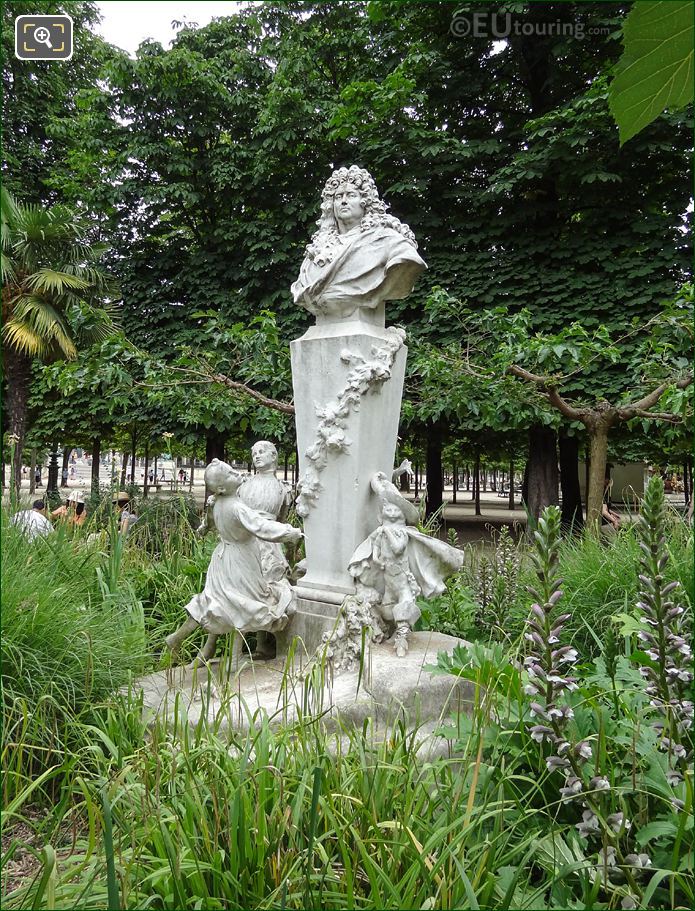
(366,562)
(347,373)
(238,595)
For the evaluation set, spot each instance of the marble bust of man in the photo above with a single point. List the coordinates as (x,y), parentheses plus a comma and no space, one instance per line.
(359,257)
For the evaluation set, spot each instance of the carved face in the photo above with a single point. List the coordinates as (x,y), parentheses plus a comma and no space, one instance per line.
(222,478)
(264,455)
(348,207)
(391,513)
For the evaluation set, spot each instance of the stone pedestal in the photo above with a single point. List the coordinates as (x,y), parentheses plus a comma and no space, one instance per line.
(314,617)
(348,382)
(382,690)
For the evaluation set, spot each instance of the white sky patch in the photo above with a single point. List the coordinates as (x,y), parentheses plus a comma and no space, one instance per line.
(128,24)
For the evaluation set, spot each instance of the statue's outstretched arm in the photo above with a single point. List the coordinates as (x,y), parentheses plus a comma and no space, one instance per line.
(266,529)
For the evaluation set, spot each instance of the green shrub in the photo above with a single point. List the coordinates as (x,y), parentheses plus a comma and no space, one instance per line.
(70,638)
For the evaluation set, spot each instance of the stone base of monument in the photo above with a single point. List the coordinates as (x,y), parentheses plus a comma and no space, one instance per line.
(381,690)
(312,619)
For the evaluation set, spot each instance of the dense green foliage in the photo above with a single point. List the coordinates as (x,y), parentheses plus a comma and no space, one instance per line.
(203,164)
(72,633)
(307,815)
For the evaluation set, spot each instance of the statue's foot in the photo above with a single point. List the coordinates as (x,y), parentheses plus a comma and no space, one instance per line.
(400,642)
(173,645)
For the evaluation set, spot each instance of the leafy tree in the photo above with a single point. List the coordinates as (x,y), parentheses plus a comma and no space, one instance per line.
(511,175)
(654,356)
(51,287)
(39,113)
(656,69)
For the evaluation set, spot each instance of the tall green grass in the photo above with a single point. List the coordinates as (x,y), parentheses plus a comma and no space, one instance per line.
(166,814)
(296,817)
(72,634)
(600,582)
(601,577)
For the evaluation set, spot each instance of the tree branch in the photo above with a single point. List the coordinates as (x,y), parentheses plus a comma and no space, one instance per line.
(275,404)
(202,376)
(658,416)
(546,387)
(648,401)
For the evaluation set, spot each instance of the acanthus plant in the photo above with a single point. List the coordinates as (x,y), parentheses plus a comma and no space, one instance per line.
(666,636)
(549,680)
(496,583)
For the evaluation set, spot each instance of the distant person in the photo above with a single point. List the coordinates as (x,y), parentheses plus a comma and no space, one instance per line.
(37,477)
(64,477)
(609,518)
(126,518)
(73,510)
(33,522)
(182,476)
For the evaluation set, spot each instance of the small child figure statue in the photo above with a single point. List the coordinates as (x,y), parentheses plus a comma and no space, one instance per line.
(400,563)
(237,595)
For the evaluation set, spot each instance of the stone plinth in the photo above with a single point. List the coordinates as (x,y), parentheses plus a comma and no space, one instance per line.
(312,619)
(348,382)
(386,687)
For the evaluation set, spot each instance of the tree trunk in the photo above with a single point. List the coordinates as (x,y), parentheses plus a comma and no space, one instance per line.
(417,480)
(286,464)
(476,483)
(124,468)
(64,466)
(598,458)
(542,475)
(454,482)
(96,456)
(18,379)
(190,480)
(434,493)
(32,472)
(510,502)
(133,454)
(113,470)
(686,483)
(146,479)
(214,445)
(572,516)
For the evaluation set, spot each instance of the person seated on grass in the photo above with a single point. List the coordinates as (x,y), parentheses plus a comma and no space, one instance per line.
(33,522)
(126,518)
(609,518)
(73,510)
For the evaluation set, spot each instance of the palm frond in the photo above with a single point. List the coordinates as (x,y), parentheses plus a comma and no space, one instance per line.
(53,281)
(8,269)
(23,339)
(40,318)
(48,261)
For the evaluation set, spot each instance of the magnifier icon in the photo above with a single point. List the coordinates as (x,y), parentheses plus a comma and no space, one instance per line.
(43,36)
